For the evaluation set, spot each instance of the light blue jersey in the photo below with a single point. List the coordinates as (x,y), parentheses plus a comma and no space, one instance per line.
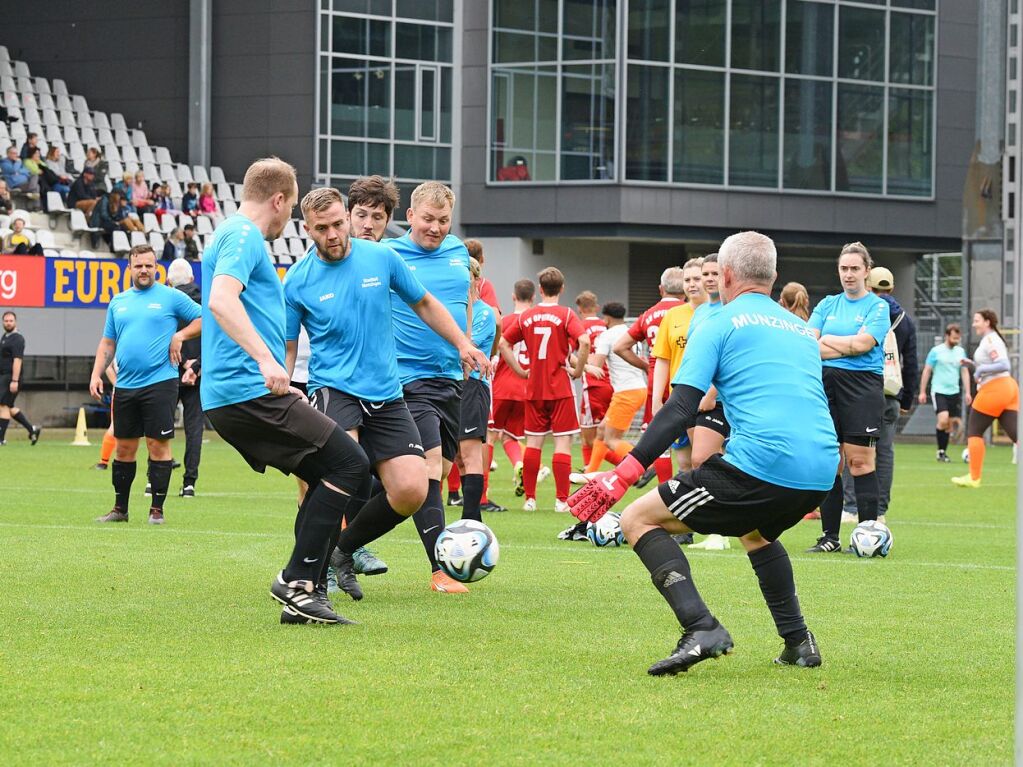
(946,376)
(703,312)
(765,363)
(445,273)
(229,374)
(838,315)
(484,330)
(141,323)
(345,307)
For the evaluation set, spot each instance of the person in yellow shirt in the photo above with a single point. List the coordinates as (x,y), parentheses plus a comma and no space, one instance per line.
(670,347)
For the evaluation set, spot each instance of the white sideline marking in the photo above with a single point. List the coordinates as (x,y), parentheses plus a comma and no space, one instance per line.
(533,547)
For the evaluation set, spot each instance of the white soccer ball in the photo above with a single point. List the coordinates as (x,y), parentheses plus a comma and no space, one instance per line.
(606,531)
(966,455)
(871,539)
(467,550)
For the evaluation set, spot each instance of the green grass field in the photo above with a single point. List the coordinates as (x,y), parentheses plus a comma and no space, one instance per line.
(142,645)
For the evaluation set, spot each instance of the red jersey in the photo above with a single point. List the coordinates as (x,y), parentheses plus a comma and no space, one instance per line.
(594,327)
(646,325)
(506,384)
(548,331)
(489,296)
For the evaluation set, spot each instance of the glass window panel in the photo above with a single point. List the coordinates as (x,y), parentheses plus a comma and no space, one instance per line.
(756,34)
(546,48)
(325,104)
(445,104)
(378,7)
(588,29)
(924,5)
(404,101)
(910,133)
(699,130)
(700,32)
(514,47)
(362,37)
(912,49)
(428,10)
(523,103)
(648,29)
(324,157)
(807,158)
(359,158)
(861,43)
(422,161)
(809,38)
(646,123)
(860,138)
(422,42)
(531,15)
(587,122)
(360,98)
(753,131)
(428,104)
(325,21)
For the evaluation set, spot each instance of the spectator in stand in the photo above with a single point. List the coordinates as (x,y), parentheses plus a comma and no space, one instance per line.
(208,205)
(59,163)
(110,214)
(190,200)
(83,194)
(123,188)
(191,246)
(17,177)
(17,242)
(6,203)
(174,247)
(55,173)
(94,159)
(31,142)
(141,197)
(163,201)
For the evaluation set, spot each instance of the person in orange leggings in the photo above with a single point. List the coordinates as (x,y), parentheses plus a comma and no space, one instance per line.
(997,393)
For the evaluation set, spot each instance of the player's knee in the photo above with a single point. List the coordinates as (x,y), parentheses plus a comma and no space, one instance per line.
(408,496)
(345,462)
(861,464)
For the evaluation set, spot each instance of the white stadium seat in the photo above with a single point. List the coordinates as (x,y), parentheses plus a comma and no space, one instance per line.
(79,225)
(296,248)
(156,243)
(121,243)
(150,222)
(117,121)
(99,119)
(138,238)
(42,85)
(290,230)
(217,175)
(203,225)
(59,87)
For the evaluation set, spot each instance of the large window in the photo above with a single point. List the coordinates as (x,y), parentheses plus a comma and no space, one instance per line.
(827,96)
(385,91)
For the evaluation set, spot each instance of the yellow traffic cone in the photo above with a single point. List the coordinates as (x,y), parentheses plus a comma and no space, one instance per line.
(81,435)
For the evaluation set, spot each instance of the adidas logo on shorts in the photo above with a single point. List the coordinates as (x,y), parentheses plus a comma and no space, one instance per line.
(673,485)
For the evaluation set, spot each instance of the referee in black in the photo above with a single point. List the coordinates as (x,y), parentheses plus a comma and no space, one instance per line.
(141,331)
(12,352)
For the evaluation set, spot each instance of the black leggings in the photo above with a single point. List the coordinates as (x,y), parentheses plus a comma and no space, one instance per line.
(980,422)
(341,462)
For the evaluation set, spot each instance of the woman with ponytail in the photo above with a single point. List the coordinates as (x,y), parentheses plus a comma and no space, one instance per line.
(795,299)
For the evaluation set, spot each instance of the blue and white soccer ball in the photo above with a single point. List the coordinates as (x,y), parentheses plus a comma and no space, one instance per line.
(606,531)
(467,550)
(871,539)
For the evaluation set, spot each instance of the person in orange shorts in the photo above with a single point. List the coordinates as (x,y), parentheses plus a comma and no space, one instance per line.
(997,393)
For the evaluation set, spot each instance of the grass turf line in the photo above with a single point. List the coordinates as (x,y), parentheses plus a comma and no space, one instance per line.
(161,645)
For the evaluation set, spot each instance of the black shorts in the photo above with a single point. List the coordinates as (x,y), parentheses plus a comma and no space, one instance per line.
(475,412)
(856,402)
(948,403)
(271,430)
(719,498)
(145,411)
(435,405)
(714,420)
(386,429)
(302,386)
(6,396)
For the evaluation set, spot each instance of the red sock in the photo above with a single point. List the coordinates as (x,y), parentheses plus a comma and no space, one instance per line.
(530,467)
(600,450)
(488,456)
(613,458)
(663,466)
(587,452)
(513,450)
(977,448)
(454,479)
(561,465)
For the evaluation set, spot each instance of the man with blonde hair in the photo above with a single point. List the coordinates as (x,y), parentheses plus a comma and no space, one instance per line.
(430,368)
(767,366)
(247,397)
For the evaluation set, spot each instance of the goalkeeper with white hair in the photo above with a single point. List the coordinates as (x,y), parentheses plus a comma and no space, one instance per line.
(781,461)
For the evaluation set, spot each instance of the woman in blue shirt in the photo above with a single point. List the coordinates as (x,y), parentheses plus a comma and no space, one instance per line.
(851,327)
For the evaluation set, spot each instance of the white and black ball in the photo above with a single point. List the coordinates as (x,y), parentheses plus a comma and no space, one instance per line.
(467,550)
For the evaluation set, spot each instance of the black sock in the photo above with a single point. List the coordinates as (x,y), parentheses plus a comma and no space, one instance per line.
(330,551)
(122,474)
(20,418)
(376,519)
(777,584)
(159,478)
(361,497)
(3,428)
(322,511)
(831,510)
(472,492)
(942,437)
(430,520)
(669,570)
(867,491)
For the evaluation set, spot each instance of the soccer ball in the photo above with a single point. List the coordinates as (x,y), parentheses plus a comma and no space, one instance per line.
(871,539)
(467,550)
(606,531)
(966,455)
